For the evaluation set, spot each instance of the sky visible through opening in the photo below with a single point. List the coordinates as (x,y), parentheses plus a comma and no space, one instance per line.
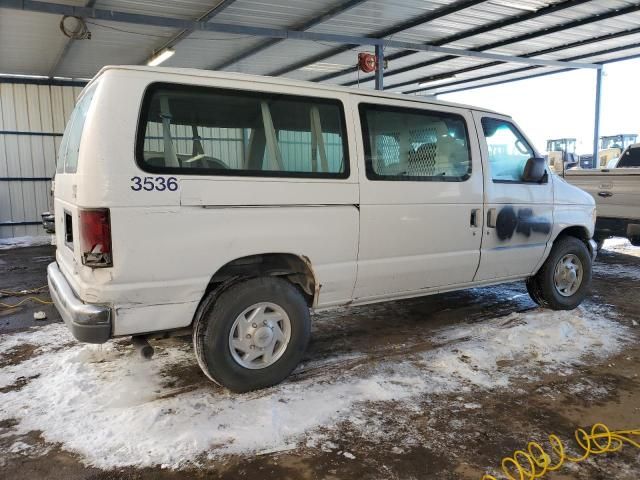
(562,105)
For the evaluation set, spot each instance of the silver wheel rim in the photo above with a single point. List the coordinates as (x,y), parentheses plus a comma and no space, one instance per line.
(260,335)
(567,277)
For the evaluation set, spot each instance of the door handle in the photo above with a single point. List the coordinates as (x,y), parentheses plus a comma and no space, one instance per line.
(491,218)
(475,213)
(605,194)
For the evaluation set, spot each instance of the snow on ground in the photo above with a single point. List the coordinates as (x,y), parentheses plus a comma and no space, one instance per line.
(618,245)
(631,272)
(16,242)
(621,245)
(115,409)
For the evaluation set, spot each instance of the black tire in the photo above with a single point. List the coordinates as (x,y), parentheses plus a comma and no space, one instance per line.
(213,326)
(534,291)
(541,286)
(599,242)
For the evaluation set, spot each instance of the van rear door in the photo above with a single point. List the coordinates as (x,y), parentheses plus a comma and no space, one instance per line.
(67,178)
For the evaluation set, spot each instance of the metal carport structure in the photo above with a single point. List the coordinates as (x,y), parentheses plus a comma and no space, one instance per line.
(432,46)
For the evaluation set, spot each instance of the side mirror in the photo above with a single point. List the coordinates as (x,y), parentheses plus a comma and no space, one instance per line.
(534,170)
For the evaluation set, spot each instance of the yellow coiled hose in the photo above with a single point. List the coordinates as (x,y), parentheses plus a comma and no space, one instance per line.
(535,462)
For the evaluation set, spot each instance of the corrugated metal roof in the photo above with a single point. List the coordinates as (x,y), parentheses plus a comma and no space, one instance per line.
(31,43)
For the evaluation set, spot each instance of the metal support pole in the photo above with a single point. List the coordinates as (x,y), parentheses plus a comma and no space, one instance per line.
(379,67)
(596,124)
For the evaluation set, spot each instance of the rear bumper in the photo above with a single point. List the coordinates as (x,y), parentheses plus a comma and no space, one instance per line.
(88,322)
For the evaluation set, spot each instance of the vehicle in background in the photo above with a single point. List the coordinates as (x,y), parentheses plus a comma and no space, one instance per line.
(616,190)
(561,153)
(586,160)
(230,205)
(48,218)
(612,146)
(630,157)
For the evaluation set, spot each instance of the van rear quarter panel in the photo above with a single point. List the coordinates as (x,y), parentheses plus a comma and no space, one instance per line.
(167,245)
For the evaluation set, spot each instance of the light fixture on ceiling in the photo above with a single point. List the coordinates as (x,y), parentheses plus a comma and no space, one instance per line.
(428,83)
(161,57)
(325,67)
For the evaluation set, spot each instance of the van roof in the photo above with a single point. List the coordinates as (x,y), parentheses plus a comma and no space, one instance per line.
(193,72)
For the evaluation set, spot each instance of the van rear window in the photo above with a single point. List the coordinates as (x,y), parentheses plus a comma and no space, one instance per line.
(70,144)
(210,131)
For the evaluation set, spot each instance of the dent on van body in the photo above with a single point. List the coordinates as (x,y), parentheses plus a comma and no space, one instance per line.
(155,272)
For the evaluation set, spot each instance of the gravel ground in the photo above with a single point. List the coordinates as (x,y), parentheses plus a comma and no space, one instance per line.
(437,387)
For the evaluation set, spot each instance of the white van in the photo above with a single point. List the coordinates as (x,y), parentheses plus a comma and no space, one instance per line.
(231,205)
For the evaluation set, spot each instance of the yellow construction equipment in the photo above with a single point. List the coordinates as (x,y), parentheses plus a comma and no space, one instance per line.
(612,146)
(561,151)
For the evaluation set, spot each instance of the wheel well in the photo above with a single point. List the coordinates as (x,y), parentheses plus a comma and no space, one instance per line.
(296,269)
(580,233)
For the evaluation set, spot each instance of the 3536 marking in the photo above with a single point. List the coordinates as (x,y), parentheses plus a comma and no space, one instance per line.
(154,183)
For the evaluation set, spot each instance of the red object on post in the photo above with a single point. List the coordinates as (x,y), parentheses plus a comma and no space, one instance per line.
(367,62)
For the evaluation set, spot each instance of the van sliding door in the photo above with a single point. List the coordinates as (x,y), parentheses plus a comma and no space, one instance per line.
(420,198)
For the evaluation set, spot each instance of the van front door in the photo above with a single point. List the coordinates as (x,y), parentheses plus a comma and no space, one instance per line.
(420,198)
(519,215)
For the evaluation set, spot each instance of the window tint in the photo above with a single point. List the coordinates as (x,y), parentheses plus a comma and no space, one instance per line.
(411,144)
(70,144)
(630,158)
(195,130)
(508,150)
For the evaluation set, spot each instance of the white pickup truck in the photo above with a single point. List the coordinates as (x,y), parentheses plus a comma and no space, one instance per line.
(617,194)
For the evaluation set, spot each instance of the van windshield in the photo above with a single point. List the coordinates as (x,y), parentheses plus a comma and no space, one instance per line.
(70,145)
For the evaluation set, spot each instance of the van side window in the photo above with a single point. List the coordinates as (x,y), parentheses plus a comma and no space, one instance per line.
(413,144)
(508,150)
(211,131)
(70,144)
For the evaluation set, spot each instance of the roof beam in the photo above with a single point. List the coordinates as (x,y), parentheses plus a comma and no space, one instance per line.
(67,47)
(185,32)
(508,41)
(566,46)
(505,22)
(312,22)
(511,72)
(134,18)
(420,20)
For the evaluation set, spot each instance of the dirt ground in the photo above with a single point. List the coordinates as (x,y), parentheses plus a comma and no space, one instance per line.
(455,435)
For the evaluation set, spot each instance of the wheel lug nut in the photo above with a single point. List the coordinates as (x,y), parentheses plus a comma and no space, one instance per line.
(248,335)
(254,325)
(264,322)
(252,347)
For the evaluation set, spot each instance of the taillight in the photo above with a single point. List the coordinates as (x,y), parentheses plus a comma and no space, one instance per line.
(95,237)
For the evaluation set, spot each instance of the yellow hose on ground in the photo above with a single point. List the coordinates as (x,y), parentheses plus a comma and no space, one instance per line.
(24,300)
(22,293)
(535,462)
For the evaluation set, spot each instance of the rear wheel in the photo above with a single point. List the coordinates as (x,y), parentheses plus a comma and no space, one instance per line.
(563,281)
(253,334)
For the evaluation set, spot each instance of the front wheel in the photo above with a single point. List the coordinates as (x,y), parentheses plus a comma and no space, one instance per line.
(253,334)
(564,279)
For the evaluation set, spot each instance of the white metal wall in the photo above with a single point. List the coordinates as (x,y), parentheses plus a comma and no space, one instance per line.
(32,120)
